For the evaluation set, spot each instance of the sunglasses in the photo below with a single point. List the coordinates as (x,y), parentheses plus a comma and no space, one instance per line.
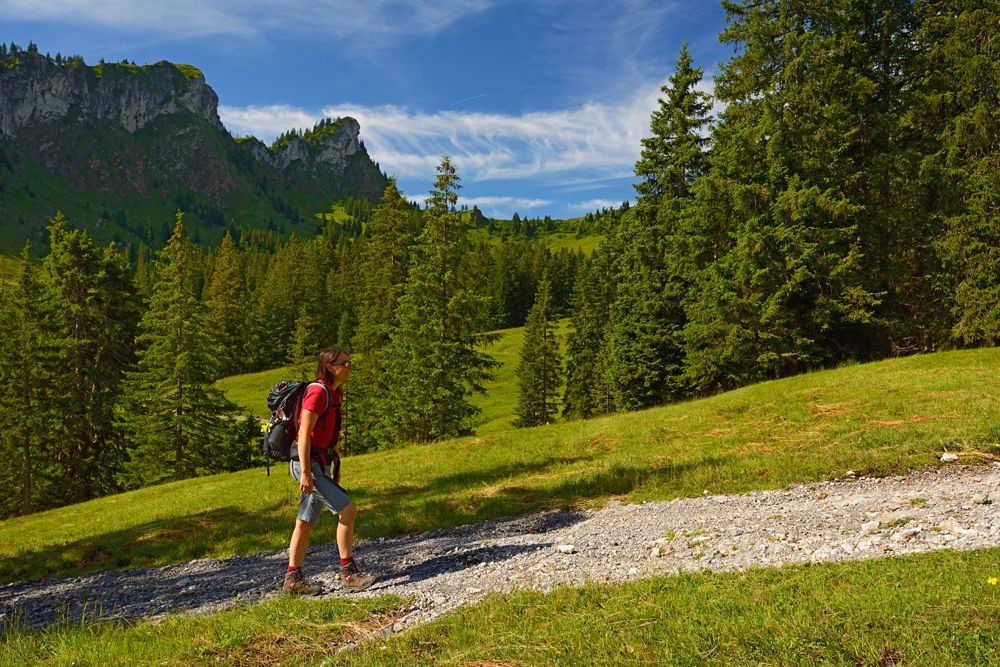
(345,364)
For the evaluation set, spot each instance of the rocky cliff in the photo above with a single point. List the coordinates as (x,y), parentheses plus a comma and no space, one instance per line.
(36,89)
(120,147)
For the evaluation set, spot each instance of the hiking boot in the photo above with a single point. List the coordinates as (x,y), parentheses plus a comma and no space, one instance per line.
(296,584)
(354,579)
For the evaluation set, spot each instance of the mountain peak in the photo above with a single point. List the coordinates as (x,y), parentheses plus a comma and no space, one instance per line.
(36,88)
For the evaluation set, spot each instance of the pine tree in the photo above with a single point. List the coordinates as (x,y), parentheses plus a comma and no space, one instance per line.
(25,449)
(539,373)
(434,356)
(782,201)
(177,421)
(588,345)
(382,269)
(646,354)
(958,78)
(91,314)
(226,306)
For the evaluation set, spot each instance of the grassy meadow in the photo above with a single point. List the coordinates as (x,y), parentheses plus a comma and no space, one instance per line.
(931,609)
(877,419)
(9,266)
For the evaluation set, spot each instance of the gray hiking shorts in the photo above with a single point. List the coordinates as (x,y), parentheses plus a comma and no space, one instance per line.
(326,493)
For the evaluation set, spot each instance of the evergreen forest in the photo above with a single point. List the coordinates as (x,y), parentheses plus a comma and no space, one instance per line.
(835,200)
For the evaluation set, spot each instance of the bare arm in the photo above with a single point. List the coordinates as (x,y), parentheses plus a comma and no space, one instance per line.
(307,421)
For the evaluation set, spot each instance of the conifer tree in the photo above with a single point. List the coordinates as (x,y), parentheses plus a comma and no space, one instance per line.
(646,355)
(782,201)
(177,421)
(25,468)
(588,345)
(382,269)
(91,316)
(434,356)
(226,306)
(959,75)
(539,372)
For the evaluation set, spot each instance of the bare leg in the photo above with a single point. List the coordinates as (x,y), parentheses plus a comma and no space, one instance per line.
(345,530)
(300,542)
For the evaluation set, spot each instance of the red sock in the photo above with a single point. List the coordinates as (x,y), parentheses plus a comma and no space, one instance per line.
(344,562)
(292,568)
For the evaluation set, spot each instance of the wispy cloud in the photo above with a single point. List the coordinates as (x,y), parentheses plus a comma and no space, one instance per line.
(369,22)
(593,205)
(503,206)
(592,141)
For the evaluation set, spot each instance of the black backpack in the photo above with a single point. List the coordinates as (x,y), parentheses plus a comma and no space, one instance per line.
(284,400)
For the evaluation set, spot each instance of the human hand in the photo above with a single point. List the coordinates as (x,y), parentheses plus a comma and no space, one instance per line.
(306,483)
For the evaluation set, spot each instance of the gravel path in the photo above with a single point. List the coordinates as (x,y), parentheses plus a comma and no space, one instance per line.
(956,507)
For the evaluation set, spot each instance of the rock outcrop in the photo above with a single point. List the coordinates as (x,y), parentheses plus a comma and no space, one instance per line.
(38,90)
(119,148)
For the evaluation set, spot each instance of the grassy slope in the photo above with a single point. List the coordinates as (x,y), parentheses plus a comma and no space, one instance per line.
(935,609)
(9,266)
(877,418)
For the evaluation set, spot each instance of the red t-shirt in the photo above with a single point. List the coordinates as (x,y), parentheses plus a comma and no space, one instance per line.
(327,429)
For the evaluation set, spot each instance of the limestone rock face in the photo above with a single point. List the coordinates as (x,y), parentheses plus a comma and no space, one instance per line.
(40,91)
(332,150)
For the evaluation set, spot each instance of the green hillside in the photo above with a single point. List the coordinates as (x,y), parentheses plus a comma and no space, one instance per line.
(497,404)
(938,608)
(876,419)
(8,266)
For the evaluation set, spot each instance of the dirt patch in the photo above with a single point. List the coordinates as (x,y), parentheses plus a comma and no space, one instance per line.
(832,410)
(599,443)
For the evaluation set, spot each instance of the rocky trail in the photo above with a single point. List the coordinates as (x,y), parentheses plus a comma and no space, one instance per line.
(951,507)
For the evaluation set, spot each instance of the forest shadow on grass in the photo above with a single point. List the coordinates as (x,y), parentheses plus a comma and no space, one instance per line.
(153,544)
(517,491)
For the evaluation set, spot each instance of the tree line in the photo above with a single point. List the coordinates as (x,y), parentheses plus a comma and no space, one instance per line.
(107,371)
(842,206)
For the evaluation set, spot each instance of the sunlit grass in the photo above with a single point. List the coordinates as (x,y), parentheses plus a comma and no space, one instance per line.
(928,609)
(875,419)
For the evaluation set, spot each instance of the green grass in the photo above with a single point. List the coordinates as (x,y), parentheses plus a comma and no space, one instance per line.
(930,609)
(499,404)
(876,419)
(9,266)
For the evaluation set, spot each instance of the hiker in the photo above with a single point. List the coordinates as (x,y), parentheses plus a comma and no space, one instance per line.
(318,443)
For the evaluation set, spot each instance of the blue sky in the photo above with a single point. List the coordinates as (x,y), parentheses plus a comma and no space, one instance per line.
(541,104)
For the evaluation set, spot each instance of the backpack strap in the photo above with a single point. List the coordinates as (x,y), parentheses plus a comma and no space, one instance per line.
(326,392)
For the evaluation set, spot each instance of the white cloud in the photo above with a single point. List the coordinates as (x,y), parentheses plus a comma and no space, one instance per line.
(368,23)
(594,141)
(504,207)
(593,205)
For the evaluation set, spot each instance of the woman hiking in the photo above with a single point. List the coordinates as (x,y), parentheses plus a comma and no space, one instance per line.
(314,453)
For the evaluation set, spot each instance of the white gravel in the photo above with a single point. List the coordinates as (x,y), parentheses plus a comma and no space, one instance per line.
(951,507)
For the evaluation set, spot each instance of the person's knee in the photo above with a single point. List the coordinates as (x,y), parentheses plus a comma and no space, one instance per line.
(303,527)
(348,513)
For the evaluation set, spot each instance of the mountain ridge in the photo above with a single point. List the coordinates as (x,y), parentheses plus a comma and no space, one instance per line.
(119,148)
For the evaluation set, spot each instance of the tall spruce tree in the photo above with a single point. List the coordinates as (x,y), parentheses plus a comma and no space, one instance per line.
(588,345)
(178,423)
(384,262)
(25,448)
(91,312)
(434,355)
(789,292)
(540,370)
(646,353)
(226,306)
(958,76)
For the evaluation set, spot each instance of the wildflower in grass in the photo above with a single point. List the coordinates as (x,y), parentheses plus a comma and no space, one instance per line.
(992,581)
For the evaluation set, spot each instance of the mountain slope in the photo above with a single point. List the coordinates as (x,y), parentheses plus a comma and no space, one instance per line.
(119,148)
